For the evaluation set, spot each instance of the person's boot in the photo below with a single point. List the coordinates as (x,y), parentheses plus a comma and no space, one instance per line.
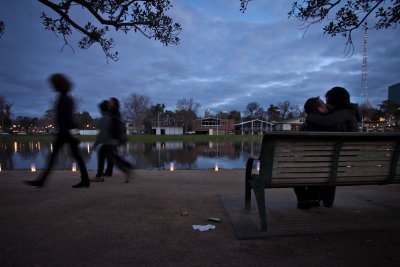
(85,182)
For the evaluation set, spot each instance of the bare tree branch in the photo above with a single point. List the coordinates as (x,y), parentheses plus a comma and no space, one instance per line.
(145,16)
(343,17)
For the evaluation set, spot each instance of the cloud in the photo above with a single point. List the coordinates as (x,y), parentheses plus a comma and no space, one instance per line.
(226,60)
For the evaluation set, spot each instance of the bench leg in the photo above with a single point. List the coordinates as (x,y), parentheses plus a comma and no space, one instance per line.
(260,197)
(247,195)
(248,180)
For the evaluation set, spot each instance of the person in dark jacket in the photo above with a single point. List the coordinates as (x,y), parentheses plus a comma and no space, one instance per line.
(66,131)
(308,196)
(342,116)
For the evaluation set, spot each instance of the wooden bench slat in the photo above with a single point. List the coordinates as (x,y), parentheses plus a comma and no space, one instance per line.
(371,143)
(326,173)
(306,159)
(279,175)
(290,164)
(364,163)
(324,166)
(322,181)
(355,152)
(378,178)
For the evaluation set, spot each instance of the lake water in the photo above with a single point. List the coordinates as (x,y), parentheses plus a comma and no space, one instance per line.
(184,156)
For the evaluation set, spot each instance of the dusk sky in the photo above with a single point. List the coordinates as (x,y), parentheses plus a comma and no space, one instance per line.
(226,59)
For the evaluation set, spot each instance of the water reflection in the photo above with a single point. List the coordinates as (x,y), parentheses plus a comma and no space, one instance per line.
(159,155)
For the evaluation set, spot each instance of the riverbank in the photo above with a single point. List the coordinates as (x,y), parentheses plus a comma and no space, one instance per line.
(146,138)
(148,222)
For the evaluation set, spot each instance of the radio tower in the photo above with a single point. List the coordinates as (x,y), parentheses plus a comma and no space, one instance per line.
(364,73)
(365,105)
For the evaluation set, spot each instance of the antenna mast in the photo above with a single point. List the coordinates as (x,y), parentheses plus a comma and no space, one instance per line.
(364,73)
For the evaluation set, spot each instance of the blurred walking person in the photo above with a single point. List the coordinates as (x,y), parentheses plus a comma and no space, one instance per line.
(117,133)
(106,142)
(66,131)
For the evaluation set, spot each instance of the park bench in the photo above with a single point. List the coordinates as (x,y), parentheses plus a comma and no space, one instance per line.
(289,159)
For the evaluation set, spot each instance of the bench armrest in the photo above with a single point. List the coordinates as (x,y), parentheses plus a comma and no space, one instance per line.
(249,168)
(247,194)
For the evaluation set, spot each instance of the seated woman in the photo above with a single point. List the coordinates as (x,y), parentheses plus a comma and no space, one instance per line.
(309,196)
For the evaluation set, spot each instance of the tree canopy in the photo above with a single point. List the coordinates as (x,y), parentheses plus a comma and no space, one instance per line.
(253,110)
(343,17)
(136,108)
(147,17)
(5,113)
(186,110)
(1,28)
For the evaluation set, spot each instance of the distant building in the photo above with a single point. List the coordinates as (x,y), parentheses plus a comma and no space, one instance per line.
(394,93)
(214,126)
(132,129)
(166,124)
(88,132)
(289,125)
(253,127)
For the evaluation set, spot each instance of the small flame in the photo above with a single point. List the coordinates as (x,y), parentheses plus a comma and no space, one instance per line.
(74,167)
(33,167)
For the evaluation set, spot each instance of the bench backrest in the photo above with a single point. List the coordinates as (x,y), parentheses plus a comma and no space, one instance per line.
(299,158)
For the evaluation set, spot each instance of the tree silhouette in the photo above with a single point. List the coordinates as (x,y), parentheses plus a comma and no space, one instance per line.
(186,110)
(136,108)
(147,17)
(2,26)
(343,17)
(5,113)
(253,111)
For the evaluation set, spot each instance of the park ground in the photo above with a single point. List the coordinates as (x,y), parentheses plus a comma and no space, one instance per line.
(148,222)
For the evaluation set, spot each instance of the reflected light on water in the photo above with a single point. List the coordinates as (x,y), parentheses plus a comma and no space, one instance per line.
(158,155)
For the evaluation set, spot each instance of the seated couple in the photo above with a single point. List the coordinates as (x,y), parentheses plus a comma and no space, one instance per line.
(337,115)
